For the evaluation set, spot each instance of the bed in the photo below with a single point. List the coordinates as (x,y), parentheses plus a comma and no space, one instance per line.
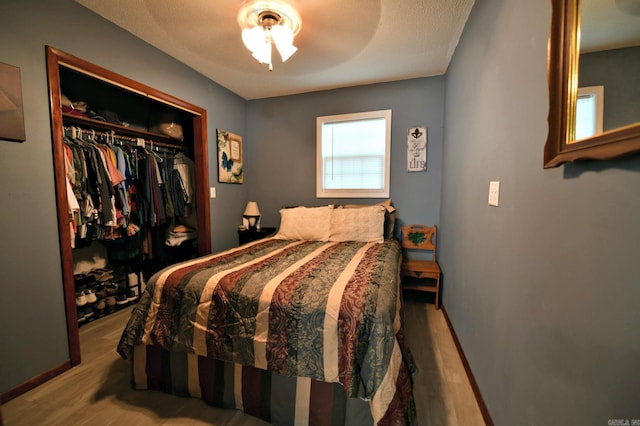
(304,327)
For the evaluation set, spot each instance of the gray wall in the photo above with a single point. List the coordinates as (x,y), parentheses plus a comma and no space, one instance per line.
(281,169)
(32,315)
(543,290)
(618,70)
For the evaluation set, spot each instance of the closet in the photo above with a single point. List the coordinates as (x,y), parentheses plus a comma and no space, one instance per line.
(131,181)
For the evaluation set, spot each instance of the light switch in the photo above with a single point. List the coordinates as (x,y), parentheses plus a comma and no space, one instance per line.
(494,192)
(212,192)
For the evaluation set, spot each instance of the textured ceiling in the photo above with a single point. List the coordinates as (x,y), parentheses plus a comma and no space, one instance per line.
(609,24)
(341,43)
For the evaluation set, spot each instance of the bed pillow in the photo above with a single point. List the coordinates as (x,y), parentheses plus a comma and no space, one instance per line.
(364,224)
(305,223)
(389,216)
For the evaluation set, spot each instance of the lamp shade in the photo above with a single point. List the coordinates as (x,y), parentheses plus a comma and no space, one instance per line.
(252,209)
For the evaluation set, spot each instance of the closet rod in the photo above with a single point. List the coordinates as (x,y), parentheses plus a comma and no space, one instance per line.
(127,138)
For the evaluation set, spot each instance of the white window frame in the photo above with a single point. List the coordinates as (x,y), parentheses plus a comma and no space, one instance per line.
(321,191)
(593,118)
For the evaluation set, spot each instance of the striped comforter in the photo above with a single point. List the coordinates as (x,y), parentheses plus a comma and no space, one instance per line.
(329,311)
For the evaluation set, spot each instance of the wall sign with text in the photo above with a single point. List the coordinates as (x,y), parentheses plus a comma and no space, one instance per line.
(417,149)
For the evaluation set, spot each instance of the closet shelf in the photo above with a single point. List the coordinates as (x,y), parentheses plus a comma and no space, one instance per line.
(121,130)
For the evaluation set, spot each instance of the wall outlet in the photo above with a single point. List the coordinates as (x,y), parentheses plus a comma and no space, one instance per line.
(212,192)
(494,192)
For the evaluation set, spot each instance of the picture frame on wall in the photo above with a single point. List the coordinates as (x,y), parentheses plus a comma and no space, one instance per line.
(417,149)
(11,112)
(229,157)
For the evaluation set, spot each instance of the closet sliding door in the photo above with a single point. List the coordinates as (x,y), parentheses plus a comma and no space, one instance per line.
(124,90)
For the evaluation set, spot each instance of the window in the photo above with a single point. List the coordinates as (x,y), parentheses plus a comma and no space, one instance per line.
(353,155)
(589,111)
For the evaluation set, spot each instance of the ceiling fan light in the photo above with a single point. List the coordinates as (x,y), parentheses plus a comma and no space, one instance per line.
(268,22)
(253,38)
(286,51)
(281,34)
(263,53)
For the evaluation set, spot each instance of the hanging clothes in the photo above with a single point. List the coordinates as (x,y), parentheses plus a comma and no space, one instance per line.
(115,185)
(187,170)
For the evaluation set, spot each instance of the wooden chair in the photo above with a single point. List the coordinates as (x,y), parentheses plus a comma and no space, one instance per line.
(420,238)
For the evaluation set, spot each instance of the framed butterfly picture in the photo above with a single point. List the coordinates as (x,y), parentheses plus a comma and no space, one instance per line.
(229,157)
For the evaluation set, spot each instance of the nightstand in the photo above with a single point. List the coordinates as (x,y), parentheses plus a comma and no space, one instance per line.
(246,236)
(420,238)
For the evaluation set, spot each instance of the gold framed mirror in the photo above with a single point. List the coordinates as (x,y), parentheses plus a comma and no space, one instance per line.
(562,72)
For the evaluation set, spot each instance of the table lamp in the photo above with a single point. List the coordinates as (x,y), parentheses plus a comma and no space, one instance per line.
(252,215)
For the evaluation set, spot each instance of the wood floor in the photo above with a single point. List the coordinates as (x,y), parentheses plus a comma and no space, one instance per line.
(98,391)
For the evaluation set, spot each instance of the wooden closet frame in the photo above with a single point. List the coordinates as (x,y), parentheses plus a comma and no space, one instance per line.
(56,59)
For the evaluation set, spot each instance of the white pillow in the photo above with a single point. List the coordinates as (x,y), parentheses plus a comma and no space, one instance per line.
(364,224)
(389,217)
(305,223)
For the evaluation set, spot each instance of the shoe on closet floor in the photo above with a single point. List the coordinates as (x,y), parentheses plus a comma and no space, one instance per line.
(90,295)
(132,295)
(80,281)
(99,307)
(110,302)
(101,292)
(88,312)
(81,299)
(121,299)
(111,289)
(102,275)
(103,278)
(91,281)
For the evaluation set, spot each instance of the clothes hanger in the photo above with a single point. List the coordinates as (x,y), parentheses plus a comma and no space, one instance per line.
(150,151)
